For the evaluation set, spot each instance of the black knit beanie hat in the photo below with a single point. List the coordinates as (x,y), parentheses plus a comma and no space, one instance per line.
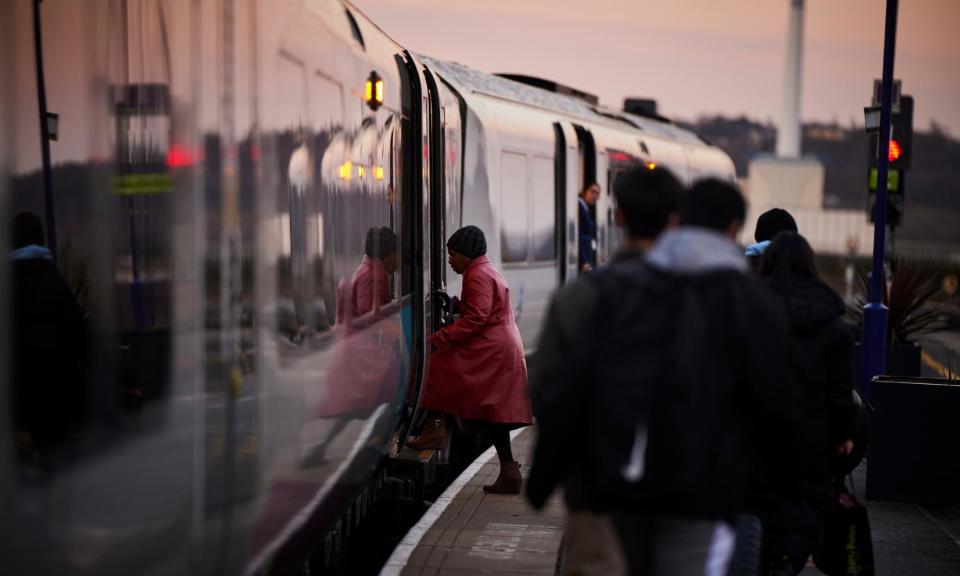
(468,241)
(773,222)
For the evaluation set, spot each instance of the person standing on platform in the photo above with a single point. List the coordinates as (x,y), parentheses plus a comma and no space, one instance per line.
(50,385)
(647,204)
(668,391)
(478,372)
(824,361)
(769,224)
(587,227)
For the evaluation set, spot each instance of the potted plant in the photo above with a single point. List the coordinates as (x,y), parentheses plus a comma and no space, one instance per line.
(914,425)
(907,297)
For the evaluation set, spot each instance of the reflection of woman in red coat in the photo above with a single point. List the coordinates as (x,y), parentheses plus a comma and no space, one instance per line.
(478,371)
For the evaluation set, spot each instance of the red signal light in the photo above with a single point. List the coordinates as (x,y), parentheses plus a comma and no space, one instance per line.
(894,150)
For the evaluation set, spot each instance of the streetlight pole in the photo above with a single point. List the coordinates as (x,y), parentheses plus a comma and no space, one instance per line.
(873,348)
(44,134)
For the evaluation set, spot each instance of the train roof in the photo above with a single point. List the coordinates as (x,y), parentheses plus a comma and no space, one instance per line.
(503,88)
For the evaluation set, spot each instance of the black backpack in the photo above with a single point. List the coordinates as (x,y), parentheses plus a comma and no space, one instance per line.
(643,389)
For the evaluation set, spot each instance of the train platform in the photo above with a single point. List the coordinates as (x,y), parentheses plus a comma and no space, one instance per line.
(467,532)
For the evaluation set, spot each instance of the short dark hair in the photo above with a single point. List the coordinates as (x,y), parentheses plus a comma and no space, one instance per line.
(646,199)
(788,259)
(27,230)
(773,222)
(713,204)
(381,242)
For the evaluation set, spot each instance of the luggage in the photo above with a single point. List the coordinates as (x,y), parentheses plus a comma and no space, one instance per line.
(844,546)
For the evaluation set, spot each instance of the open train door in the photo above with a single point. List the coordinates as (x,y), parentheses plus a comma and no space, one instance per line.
(587,173)
(567,182)
(415,202)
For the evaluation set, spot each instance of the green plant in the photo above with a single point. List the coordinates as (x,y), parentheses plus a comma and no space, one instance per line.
(907,296)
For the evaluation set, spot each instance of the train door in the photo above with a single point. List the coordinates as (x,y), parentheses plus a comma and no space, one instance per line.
(588,175)
(415,188)
(603,211)
(439,303)
(567,182)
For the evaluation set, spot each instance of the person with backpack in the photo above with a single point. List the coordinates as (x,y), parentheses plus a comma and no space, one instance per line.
(824,361)
(647,204)
(667,385)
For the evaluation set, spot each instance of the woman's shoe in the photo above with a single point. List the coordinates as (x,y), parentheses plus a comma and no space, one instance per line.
(432,437)
(509,481)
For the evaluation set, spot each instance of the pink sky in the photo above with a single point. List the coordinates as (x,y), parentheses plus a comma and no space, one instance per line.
(697,57)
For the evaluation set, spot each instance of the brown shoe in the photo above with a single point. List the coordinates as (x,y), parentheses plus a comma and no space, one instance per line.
(432,437)
(508,481)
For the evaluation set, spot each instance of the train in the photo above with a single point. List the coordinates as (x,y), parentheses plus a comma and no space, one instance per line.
(216,174)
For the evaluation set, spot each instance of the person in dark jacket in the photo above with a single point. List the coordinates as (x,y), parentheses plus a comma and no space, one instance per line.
(647,204)
(587,227)
(824,358)
(769,224)
(50,355)
(686,475)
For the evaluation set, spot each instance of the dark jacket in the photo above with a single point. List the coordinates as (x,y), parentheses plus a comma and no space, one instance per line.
(701,445)
(50,354)
(825,366)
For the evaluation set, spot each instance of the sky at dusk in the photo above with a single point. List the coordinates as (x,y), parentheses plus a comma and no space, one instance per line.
(697,57)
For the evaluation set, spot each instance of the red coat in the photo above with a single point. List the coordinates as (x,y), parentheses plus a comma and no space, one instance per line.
(367,290)
(478,371)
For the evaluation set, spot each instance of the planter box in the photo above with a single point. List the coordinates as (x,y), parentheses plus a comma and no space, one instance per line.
(904,361)
(913,454)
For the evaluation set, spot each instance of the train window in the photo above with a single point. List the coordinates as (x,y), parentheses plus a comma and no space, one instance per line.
(513,207)
(355,28)
(542,235)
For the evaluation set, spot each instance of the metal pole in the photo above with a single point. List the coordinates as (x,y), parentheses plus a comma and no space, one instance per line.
(44,134)
(873,348)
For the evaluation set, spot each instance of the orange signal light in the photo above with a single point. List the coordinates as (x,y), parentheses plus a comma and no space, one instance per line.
(651,165)
(894,150)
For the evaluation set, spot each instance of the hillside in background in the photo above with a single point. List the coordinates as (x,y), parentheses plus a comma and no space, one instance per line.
(932,202)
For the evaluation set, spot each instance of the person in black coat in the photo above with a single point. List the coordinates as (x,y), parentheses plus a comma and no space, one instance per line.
(50,348)
(823,358)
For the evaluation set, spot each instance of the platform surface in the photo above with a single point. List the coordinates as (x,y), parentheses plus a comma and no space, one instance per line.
(478,533)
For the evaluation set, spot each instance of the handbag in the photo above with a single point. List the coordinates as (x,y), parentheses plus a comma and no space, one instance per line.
(844,546)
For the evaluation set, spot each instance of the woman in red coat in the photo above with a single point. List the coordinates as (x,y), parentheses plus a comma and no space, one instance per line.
(478,371)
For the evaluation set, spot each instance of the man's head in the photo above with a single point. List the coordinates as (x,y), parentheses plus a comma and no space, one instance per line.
(463,246)
(27,230)
(773,222)
(714,204)
(590,193)
(647,202)
(381,244)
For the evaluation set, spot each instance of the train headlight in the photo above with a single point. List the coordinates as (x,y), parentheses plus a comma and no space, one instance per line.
(373,91)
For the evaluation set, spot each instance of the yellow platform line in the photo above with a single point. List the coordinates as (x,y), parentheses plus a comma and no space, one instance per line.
(937,367)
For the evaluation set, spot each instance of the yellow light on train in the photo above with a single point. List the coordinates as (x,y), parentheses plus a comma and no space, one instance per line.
(378,172)
(361,171)
(346,171)
(651,165)
(373,91)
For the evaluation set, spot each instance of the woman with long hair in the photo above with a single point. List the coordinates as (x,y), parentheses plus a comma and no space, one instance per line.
(823,350)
